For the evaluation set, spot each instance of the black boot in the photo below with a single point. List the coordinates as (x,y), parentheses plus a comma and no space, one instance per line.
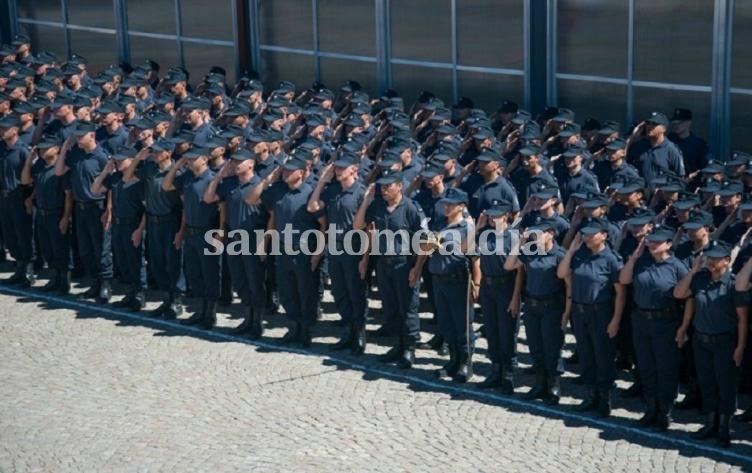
(493,380)
(359,340)
(16,276)
(64,283)
(465,368)
(127,300)
(27,275)
(139,300)
(210,317)
(663,418)
(589,403)
(197,316)
(305,338)
(450,367)
(292,333)
(175,309)
(346,338)
(539,390)
(693,398)
(92,292)
(745,416)
(651,413)
(604,403)
(554,390)
(53,284)
(247,323)
(724,431)
(257,325)
(160,311)
(507,381)
(407,358)
(633,391)
(105,291)
(709,430)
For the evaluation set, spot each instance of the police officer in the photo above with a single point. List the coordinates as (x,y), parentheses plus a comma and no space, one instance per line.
(717,308)
(655,153)
(202,270)
(15,221)
(340,193)
(694,149)
(655,320)
(450,269)
(397,269)
(592,274)
(84,162)
(54,206)
(545,306)
(231,186)
(126,192)
(576,178)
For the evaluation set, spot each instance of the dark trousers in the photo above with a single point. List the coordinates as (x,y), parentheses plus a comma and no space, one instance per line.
(129,257)
(716,371)
(16,226)
(165,261)
(657,356)
(54,246)
(544,334)
(349,291)
(452,311)
(94,243)
(203,272)
(298,288)
(596,349)
(248,279)
(398,300)
(500,326)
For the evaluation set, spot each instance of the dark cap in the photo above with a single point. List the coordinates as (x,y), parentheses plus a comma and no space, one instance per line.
(350,86)
(124,152)
(347,160)
(564,115)
(242,155)
(681,115)
(570,129)
(738,158)
(49,141)
(286,87)
(730,188)
(610,127)
(591,124)
(10,121)
(543,225)
(698,219)
(432,170)
(521,117)
(463,103)
(82,128)
(163,145)
(714,167)
(389,176)
(617,144)
(110,106)
(454,195)
(670,184)
(641,216)
(508,107)
(595,200)
(499,208)
(295,163)
(545,191)
(531,150)
(657,118)
(661,233)
(574,151)
(487,156)
(633,185)
(197,152)
(592,226)
(718,249)
(687,202)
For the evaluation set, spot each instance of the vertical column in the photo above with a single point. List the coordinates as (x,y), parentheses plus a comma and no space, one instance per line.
(253,36)
(537,54)
(121,30)
(721,78)
(383,45)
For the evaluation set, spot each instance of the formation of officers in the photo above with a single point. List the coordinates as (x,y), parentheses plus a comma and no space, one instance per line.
(642,238)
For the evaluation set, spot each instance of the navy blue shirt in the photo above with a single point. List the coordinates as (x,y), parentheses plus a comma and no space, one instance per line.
(63,132)
(561,223)
(202,134)
(111,142)
(342,205)
(686,254)
(241,215)
(541,281)
(197,212)
(527,184)
(292,208)
(582,181)
(607,175)
(407,216)
(49,189)
(158,201)
(264,168)
(715,303)
(127,197)
(84,168)
(694,150)
(652,161)
(493,249)
(12,160)
(654,282)
(452,260)
(498,189)
(429,203)
(594,275)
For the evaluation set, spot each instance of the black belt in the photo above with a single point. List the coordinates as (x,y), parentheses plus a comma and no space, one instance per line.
(125,220)
(169,218)
(654,314)
(87,205)
(196,230)
(583,308)
(556,301)
(460,276)
(48,212)
(713,338)
(491,280)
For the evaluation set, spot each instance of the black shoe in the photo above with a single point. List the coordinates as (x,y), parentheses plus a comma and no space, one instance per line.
(662,419)
(539,390)
(450,368)
(633,391)
(392,355)
(383,331)
(590,403)
(723,439)
(745,416)
(246,325)
(465,368)
(305,338)
(651,413)
(709,430)
(359,340)
(693,398)
(175,308)
(346,339)
(160,311)
(125,301)
(493,380)
(14,278)
(53,284)
(138,302)
(507,382)
(292,334)
(604,403)
(434,343)
(257,326)
(443,349)
(554,390)
(573,359)
(92,292)
(105,291)
(406,359)
(64,283)
(210,316)
(197,316)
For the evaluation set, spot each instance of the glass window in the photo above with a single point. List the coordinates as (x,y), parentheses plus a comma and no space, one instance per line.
(164,52)
(48,10)
(741,66)
(98,48)
(592,37)
(347,27)
(489,91)
(288,23)
(151,16)
(741,122)
(598,100)
(409,81)
(421,29)
(91,13)
(211,20)
(45,38)
(334,72)
(489,33)
(199,58)
(673,41)
(296,68)
(647,100)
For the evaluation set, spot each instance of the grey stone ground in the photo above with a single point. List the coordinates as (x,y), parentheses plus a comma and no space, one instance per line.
(85,389)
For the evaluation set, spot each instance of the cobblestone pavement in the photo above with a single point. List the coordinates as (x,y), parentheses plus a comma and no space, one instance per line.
(92,389)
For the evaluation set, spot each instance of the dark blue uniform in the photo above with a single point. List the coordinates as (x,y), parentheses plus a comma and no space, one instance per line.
(582,181)
(49,191)
(481,198)
(15,221)
(127,211)
(651,161)
(111,141)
